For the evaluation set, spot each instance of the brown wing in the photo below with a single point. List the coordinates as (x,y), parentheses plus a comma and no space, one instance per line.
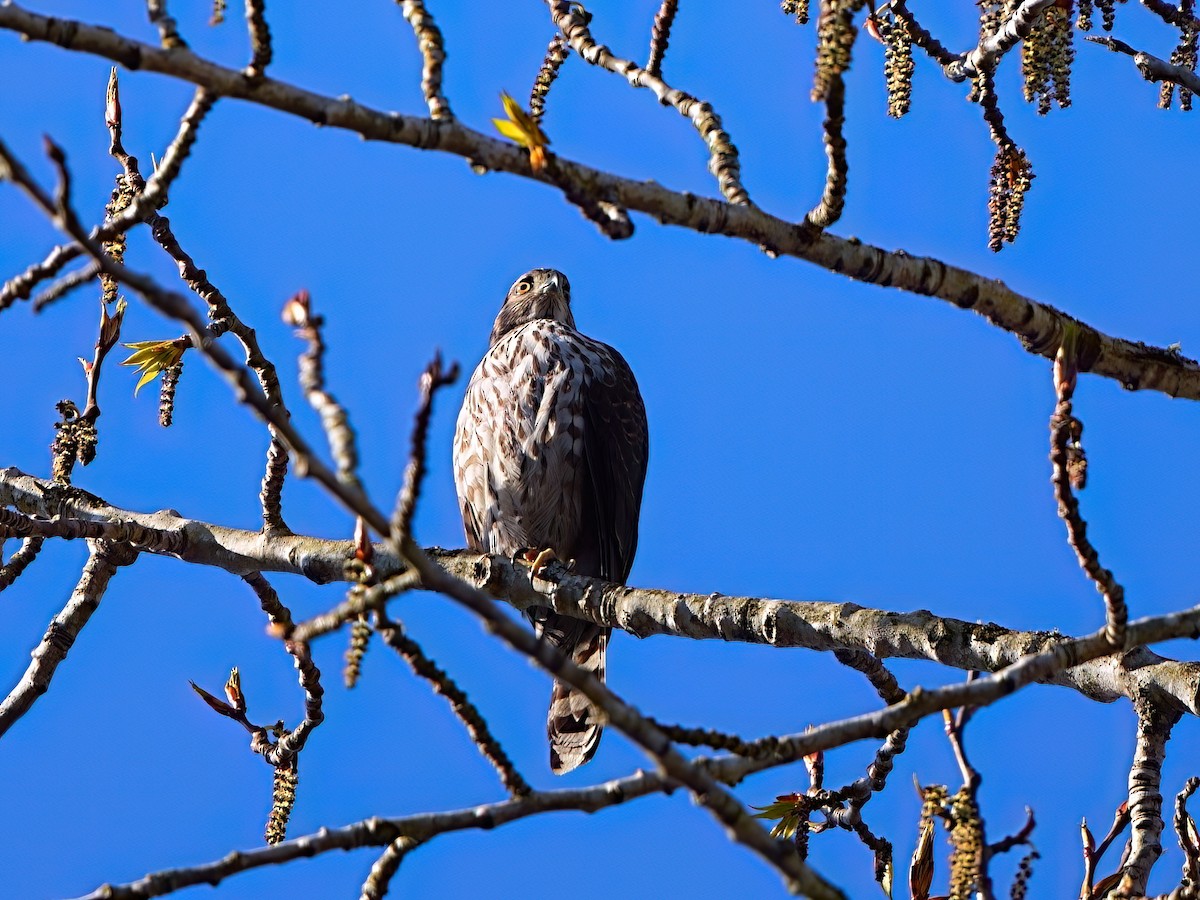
(616,451)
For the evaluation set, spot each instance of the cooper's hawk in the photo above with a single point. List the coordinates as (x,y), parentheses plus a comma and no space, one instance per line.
(550,453)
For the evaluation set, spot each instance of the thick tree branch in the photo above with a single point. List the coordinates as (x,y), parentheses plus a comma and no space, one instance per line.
(647,611)
(1145,795)
(1038,325)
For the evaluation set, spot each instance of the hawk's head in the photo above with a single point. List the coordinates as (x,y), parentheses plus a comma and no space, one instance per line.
(538,294)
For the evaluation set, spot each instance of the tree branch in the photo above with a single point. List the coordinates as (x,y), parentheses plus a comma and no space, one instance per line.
(1039,326)
(102,563)
(1151,67)
(647,611)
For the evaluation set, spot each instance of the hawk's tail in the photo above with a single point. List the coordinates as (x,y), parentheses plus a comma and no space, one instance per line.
(573,724)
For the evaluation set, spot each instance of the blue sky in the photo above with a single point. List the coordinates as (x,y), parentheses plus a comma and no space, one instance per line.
(811,438)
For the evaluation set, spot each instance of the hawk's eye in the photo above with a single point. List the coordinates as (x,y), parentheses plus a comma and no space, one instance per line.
(524,287)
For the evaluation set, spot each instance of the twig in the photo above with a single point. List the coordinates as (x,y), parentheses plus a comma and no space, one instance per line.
(168,33)
(386,866)
(829,210)
(557,52)
(432,379)
(1151,67)
(271,493)
(709,737)
(376,832)
(723,155)
(334,419)
(921,37)
(20,560)
(260,39)
(433,52)
(393,635)
(356,604)
(1066,457)
(660,35)
(150,195)
(103,561)
(1185,830)
(280,619)
(1092,856)
(64,286)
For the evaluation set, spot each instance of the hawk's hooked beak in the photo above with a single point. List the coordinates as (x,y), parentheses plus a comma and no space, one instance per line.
(556,283)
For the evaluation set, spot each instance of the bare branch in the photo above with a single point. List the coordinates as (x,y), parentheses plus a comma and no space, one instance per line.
(433,51)
(260,39)
(378,832)
(168,30)
(102,563)
(829,210)
(739,825)
(989,51)
(1038,325)
(393,635)
(1066,456)
(660,35)
(334,419)
(1151,67)
(378,882)
(723,156)
(20,560)
(1145,795)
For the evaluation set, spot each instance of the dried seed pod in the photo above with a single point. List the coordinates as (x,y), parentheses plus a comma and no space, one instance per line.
(1011,178)
(1024,873)
(796,8)
(360,636)
(1183,55)
(897,63)
(283,798)
(835,38)
(966,838)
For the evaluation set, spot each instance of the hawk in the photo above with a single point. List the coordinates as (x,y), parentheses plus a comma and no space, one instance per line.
(550,454)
